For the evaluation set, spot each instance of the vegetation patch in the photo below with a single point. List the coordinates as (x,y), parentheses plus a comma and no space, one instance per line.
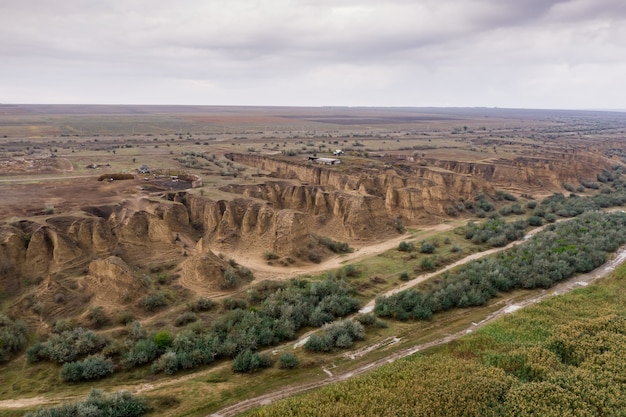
(13,337)
(555,254)
(98,404)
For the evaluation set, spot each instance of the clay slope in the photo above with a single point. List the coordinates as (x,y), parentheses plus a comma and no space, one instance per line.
(412,192)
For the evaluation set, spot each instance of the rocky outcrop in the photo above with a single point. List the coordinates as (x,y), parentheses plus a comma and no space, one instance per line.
(414,191)
(247,224)
(135,230)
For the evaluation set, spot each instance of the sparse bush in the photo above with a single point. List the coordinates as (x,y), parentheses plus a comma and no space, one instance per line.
(406,247)
(350,271)
(230,280)
(64,325)
(334,246)
(269,255)
(426,264)
(203,304)
(98,317)
(152,302)
(234,303)
(185,318)
(404,276)
(125,317)
(315,257)
(456,249)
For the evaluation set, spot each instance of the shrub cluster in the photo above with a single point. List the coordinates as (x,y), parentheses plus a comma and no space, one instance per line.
(67,346)
(612,195)
(248,361)
(12,336)
(339,334)
(334,246)
(98,404)
(243,331)
(564,249)
(495,232)
(92,367)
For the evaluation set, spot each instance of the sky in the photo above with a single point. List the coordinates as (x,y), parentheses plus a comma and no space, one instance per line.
(565,54)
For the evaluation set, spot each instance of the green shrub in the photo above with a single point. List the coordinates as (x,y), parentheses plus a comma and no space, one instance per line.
(404,276)
(288,361)
(334,246)
(269,255)
(144,351)
(338,334)
(248,361)
(563,249)
(427,247)
(406,247)
(91,368)
(152,302)
(13,337)
(234,304)
(162,339)
(203,304)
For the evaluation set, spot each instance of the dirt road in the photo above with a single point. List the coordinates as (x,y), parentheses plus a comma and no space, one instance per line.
(563,287)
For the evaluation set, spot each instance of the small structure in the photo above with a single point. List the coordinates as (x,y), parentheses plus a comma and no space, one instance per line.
(144,169)
(338,152)
(328,161)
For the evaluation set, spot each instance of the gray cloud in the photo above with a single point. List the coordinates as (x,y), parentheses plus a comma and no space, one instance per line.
(533,53)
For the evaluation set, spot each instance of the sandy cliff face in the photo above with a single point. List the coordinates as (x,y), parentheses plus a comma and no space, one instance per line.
(247,224)
(412,192)
(69,243)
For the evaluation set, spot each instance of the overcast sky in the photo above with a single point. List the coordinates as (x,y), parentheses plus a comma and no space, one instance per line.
(504,53)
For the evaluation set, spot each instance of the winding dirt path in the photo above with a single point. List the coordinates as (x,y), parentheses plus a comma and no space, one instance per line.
(264,271)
